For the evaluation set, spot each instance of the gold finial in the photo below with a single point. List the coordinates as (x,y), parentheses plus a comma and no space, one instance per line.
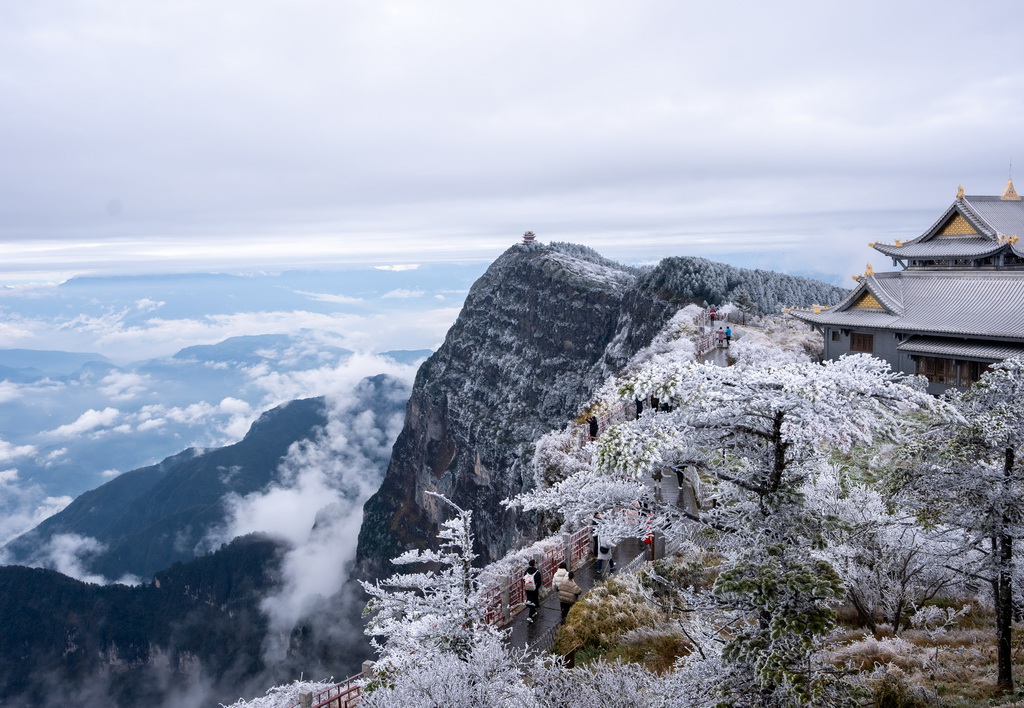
(899,244)
(1013,239)
(855,277)
(870,270)
(871,244)
(959,191)
(817,309)
(1009,193)
(786,310)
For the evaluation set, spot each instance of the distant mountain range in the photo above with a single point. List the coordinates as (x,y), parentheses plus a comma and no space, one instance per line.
(151,517)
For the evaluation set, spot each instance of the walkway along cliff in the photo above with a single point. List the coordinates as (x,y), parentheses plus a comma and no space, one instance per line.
(540,330)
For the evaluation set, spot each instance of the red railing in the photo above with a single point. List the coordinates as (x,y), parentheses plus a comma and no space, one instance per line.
(493,613)
(579,548)
(516,591)
(553,557)
(346,694)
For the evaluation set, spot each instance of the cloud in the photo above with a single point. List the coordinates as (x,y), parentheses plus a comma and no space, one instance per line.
(91,420)
(9,391)
(316,502)
(23,506)
(416,154)
(148,305)
(110,474)
(10,452)
(329,297)
(68,553)
(404,294)
(123,385)
(335,381)
(398,268)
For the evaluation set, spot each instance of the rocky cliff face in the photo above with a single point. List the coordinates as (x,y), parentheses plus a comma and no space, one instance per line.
(540,330)
(526,351)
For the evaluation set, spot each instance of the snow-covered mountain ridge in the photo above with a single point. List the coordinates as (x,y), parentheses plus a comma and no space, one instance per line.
(539,332)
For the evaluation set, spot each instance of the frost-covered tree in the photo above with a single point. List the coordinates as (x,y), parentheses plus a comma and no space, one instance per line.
(428,628)
(760,435)
(969,475)
(888,561)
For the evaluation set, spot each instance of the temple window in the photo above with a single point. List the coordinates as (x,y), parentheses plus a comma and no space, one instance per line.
(861,342)
(950,372)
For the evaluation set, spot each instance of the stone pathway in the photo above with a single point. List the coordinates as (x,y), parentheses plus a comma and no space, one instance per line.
(549,614)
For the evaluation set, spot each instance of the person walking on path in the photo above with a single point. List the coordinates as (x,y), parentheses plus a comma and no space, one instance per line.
(531,584)
(561,575)
(604,555)
(728,335)
(568,594)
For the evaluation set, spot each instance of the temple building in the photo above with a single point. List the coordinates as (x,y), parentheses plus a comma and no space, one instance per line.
(956,306)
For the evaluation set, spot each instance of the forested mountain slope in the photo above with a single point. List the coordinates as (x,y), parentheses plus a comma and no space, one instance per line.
(197,624)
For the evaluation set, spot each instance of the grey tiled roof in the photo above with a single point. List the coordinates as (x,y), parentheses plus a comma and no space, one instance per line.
(962,302)
(951,247)
(969,349)
(992,217)
(1003,217)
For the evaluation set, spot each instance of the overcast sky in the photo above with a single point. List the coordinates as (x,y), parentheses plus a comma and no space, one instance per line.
(242,134)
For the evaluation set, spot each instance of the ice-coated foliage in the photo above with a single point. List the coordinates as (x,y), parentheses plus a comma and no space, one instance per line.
(888,561)
(969,475)
(779,341)
(699,279)
(486,674)
(558,455)
(283,696)
(673,343)
(760,433)
(429,612)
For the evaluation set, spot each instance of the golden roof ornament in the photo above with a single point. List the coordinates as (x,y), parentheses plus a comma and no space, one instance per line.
(959,191)
(1009,193)
(870,270)
(899,244)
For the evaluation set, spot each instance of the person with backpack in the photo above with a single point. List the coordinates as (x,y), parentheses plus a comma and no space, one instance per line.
(568,594)
(531,584)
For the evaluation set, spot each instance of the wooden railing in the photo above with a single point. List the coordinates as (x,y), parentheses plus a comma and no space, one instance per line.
(346,694)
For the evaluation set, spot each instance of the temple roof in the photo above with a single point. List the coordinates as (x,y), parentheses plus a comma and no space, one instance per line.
(972,227)
(960,302)
(961,349)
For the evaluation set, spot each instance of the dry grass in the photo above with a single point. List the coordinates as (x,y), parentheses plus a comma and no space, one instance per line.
(952,669)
